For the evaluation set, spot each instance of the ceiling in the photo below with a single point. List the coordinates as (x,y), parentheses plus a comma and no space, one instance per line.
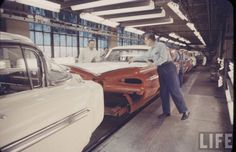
(208,16)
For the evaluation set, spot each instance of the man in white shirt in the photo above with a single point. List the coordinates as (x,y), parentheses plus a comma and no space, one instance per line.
(89,54)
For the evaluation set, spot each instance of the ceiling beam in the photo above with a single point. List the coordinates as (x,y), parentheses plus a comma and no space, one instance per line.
(70,3)
(145,21)
(181,31)
(136,3)
(157,10)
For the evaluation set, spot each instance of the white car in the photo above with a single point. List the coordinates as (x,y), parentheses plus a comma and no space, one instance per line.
(43,108)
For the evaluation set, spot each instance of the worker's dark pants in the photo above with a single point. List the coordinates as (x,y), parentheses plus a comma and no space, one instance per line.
(169,85)
(181,77)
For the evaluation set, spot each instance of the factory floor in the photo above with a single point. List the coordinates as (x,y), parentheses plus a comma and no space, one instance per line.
(146,133)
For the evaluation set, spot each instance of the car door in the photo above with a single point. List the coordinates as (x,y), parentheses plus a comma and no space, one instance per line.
(38,118)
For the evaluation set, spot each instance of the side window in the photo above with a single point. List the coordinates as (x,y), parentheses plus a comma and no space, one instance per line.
(13,74)
(34,67)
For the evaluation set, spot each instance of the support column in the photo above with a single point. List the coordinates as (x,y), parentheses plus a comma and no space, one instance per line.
(112,42)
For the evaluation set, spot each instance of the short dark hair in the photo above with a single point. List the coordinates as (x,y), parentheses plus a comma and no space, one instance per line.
(91,40)
(149,35)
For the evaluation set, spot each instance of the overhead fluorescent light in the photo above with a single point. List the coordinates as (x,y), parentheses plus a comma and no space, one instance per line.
(163,39)
(182,44)
(139,17)
(201,39)
(188,41)
(174,35)
(151,24)
(98,19)
(191,26)
(176,42)
(182,39)
(126,10)
(44,4)
(196,33)
(97,4)
(171,41)
(156,36)
(175,8)
(178,37)
(134,30)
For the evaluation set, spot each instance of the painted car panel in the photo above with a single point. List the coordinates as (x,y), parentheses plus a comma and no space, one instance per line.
(135,84)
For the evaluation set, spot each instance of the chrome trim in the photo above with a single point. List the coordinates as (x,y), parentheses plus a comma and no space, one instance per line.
(147,70)
(28,141)
(153,77)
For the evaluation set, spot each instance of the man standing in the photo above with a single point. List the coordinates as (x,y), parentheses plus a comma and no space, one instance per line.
(168,77)
(89,54)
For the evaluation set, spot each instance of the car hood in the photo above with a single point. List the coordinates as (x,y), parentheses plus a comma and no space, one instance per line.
(26,112)
(102,67)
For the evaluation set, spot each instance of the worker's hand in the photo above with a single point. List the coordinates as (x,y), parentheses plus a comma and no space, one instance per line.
(149,63)
(131,60)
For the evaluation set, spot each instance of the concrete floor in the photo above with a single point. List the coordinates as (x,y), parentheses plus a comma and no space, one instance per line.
(147,133)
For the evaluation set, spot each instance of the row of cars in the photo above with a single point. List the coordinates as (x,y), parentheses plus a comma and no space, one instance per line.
(44,105)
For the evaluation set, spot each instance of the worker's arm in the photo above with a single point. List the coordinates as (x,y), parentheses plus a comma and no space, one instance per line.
(81,55)
(97,57)
(144,57)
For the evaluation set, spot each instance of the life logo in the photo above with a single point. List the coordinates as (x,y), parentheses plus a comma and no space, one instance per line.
(215,140)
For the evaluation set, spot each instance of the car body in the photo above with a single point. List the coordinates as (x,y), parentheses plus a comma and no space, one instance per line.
(43,107)
(127,87)
(188,59)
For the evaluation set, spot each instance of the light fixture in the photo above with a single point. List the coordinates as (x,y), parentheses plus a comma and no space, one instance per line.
(97,4)
(151,24)
(175,8)
(188,41)
(196,33)
(134,30)
(178,37)
(171,41)
(176,42)
(126,10)
(191,26)
(156,36)
(47,5)
(182,39)
(174,35)
(201,39)
(139,17)
(163,39)
(98,19)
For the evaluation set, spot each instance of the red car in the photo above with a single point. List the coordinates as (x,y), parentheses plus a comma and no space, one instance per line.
(188,61)
(127,87)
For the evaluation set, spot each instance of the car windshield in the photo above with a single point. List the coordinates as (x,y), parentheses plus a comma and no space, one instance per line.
(57,73)
(123,55)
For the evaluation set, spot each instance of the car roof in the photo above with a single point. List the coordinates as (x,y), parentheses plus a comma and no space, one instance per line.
(138,47)
(9,37)
(131,47)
